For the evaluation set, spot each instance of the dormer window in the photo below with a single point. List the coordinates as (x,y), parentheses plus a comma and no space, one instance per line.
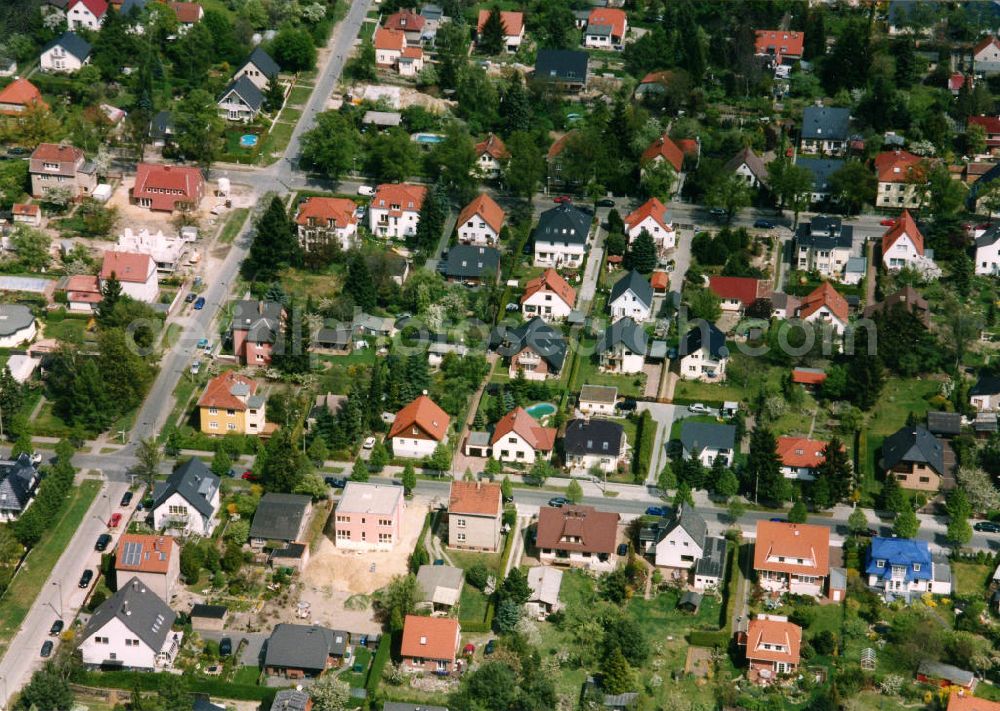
(916,567)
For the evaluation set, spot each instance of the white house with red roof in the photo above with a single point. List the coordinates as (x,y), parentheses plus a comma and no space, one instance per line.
(664,149)
(491,157)
(990,124)
(389,46)
(83,293)
(480,221)
(606,27)
(792,557)
(408,22)
(167,187)
(737,293)
(513,27)
(188,14)
(418,428)
(26,213)
(825,306)
(475,515)
(395,210)
(773,647)
(518,437)
(548,296)
(411,61)
(653,217)
(986,56)
(321,220)
(779,45)
(902,179)
(88,14)
(135,272)
(800,457)
(902,244)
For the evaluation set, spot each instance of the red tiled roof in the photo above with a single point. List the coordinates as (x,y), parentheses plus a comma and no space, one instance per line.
(651,208)
(772,632)
(585,529)
(130,267)
(494,146)
(518,421)
(187,13)
(323,210)
(615,18)
(153,557)
(664,147)
(743,289)
(487,208)
(409,198)
(959,701)
(26,209)
(800,452)
(807,377)
(182,183)
(824,295)
(956,81)
(550,280)
(990,123)
(21,92)
(405,21)
(219,391)
(425,414)
(56,153)
(513,22)
(389,39)
(97,7)
(430,637)
(899,167)
(796,541)
(983,44)
(558,145)
(658,77)
(412,53)
(779,42)
(904,225)
(659,280)
(83,288)
(475,498)
(688,146)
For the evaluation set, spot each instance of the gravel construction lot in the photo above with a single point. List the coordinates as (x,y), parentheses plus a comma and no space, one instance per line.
(350,571)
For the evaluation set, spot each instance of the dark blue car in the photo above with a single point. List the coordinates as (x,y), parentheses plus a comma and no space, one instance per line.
(763,224)
(656,511)
(199,304)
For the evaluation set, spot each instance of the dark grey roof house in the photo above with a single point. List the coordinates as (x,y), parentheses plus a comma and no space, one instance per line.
(260,319)
(140,611)
(947,424)
(536,335)
(18,480)
(825,123)
(601,437)
(704,335)
(161,126)
(71,43)
(824,233)
(468,262)
(194,482)
(307,650)
(712,561)
(986,385)
(280,517)
(563,223)
(624,332)
(913,445)
(242,92)
(696,437)
(562,66)
(637,284)
(821,170)
(263,62)
(290,700)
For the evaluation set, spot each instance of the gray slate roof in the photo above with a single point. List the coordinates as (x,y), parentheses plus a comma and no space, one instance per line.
(713,558)
(470,261)
(161,125)
(542,338)
(139,609)
(262,320)
(939,670)
(637,284)
(986,385)
(304,647)
(290,700)
(691,521)
(944,423)
(627,332)
(13,318)
(71,42)
(698,436)
(989,237)
(754,162)
(194,481)
(246,90)
(18,479)
(262,60)
(279,516)
(821,169)
(565,65)
(593,437)
(825,233)
(826,123)
(563,223)
(913,445)
(695,339)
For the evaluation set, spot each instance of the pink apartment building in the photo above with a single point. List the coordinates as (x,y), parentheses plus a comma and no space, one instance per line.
(369,517)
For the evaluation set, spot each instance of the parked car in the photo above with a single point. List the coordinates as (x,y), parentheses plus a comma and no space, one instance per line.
(103,541)
(359,211)
(126,499)
(605,202)
(248,475)
(869,532)
(366,190)
(85,579)
(199,303)
(888,222)
(627,405)
(225,647)
(656,511)
(717,212)
(763,224)
(699,408)
(116,518)
(337,482)
(369,443)
(56,627)
(777,519)
(196,367)
(563,199)
(190,297)
(512,306)
(47,649)
(622,549)
(987,527)
(202,343)
(558,501)
(490,646)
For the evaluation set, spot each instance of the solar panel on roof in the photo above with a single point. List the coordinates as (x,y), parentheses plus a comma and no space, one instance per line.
(132,553)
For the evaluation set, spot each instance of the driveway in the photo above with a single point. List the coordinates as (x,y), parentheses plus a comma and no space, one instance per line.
(664,415)
(252,654)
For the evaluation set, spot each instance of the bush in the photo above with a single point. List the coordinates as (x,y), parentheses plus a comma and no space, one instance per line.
(477,576)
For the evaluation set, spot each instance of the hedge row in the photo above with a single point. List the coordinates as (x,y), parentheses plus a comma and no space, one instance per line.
(646,436)
(378,664)
(151,681)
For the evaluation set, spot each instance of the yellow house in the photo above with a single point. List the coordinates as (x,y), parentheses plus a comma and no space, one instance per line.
(231,405)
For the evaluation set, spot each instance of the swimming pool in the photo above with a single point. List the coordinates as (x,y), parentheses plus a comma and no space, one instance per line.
(540,409)
(428,138)
(248,140)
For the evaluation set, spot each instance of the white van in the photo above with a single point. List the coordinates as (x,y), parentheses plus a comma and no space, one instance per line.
(366,190)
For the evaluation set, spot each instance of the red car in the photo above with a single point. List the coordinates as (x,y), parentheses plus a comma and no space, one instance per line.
(115,520)
(563,199)
(888,222)
(249,476)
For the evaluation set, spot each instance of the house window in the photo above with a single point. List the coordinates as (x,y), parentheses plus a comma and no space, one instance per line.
(385,538)
(213,411)
(343,535)
(385,522)
(460,537)
(880,564)
(916,567)
(231,426)
(343,519)
(213,425)
(177,510)
(460,523)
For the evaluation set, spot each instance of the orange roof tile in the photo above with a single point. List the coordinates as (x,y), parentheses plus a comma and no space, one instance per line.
(824,295)
(425,414)
(57,153)
(800,452)
(899,167)
(166,185)
(960,701)
(904,225)
(21,92)
(27,209)
(430,637)
(792,541)
(475,498)
(659,280)
(779,42)
(577,528)
(389,39)
(83,288)
(142,553)
(613,17)
(494,146)
(662,77)
(807,377)
(558,145)
(187,13)
(219,391)
(405,21)
(129,267)
(772,632)
(513,22)
(412,53)
(550,280)
(664,147)
(324,211)
(398,198)
(651,208)
(487,208)
(518,421)
(746,290)
(96,7)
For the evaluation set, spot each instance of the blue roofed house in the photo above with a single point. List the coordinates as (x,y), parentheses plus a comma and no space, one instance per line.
(903,567)
(241,101)
(821,170)
(825,130)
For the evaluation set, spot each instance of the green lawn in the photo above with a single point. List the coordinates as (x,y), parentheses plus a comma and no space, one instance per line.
(362,657)
(588,372)
(661,614)
(291,115)
(467,559)
(276,141)
(42,558)
(298,96)
(899,398)
(970,578)
(246,675)
(233,224)
(47,423)
(688,391)
(472,605)
(66,329)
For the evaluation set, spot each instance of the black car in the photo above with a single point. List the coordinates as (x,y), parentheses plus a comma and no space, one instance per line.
(987,527)
(47,648)
(869,533)
(126,499)
(103,541)
(337,482)
(605,202)
(490,646)
(763,224)
(190,297)
(225,647)
(627,405)
(17,151)
(56,627)
(622,549)
(85,579)
(558,501)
